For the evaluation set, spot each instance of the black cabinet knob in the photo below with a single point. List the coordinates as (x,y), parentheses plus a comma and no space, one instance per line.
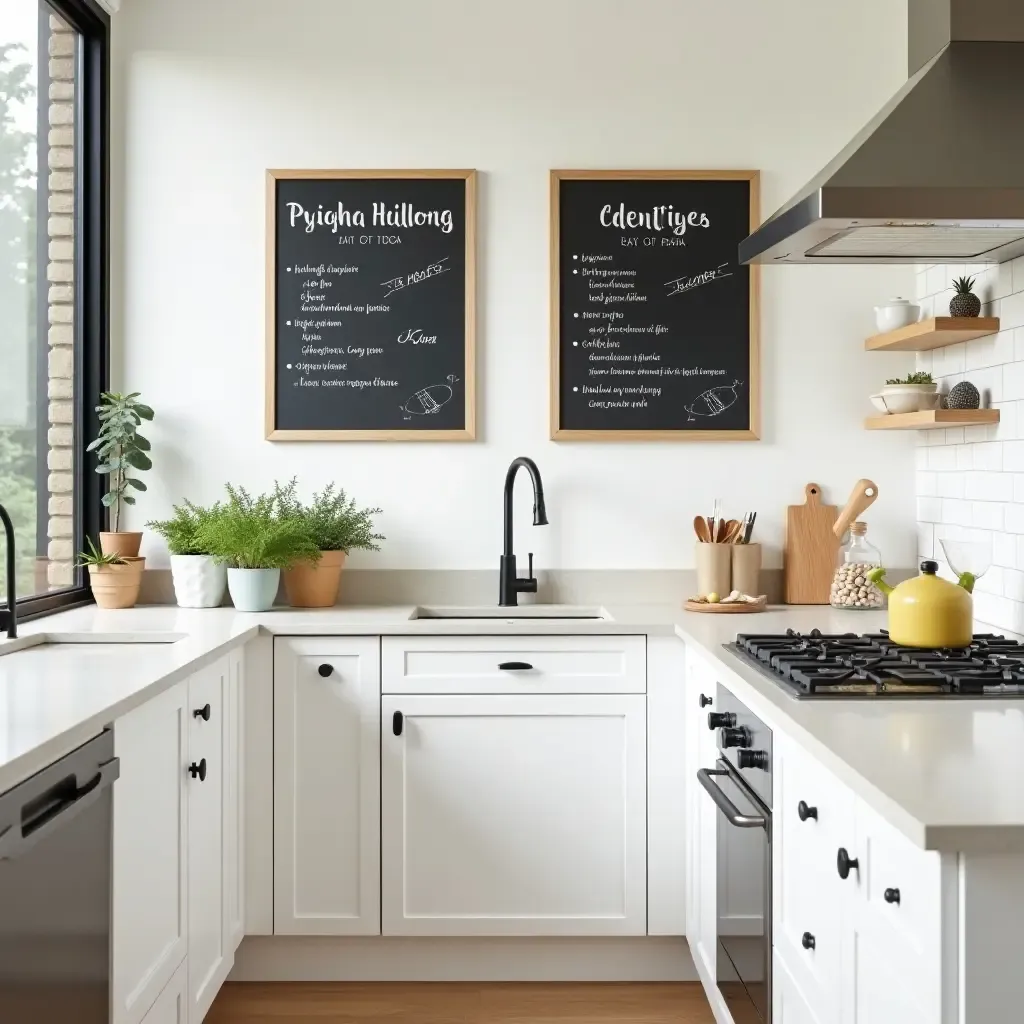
(705,701)
(325,670)
(804,812)
(891,895)
(752,759)
(198,770)
(736,737)
(844,862)
(203,713)
(397,722)
(807,940)
(721,719)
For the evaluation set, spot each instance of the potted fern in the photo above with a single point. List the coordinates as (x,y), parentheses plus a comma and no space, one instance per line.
(255,543)
(199,579)
(336,526)
(121,450)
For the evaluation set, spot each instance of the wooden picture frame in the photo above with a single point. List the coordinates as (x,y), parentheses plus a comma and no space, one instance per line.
(272,433)
(559,433)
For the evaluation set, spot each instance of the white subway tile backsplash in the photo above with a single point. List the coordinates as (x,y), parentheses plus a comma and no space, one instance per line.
(1006,428)
(987,455)
(925,540)
(929,510)
(965,456)
(1013,517)
(988,486)
(927,484)
(1018,487)
(938,279)
(987,515)
(950,360)
(957,512)
(1011,311)
(1013,456)
(989,381)
(954,435)
(950,485)
(992,582)
(1004,550)
(1013,380)
(1017,274)
(979,433)
(1013,584)
(921,454)
(941,458)
(993,350)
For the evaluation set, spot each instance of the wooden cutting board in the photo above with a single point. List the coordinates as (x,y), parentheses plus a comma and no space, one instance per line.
(811,549)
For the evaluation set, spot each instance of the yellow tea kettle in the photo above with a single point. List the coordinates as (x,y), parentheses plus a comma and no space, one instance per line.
(927,611)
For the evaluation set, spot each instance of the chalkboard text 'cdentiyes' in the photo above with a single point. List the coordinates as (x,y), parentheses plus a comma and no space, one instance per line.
(657,218)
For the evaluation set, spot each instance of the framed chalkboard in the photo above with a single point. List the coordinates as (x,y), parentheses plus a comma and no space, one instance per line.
(371,305)
(654,323)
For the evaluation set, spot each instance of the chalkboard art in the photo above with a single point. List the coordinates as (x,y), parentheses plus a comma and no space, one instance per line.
(654,323)
(370,305)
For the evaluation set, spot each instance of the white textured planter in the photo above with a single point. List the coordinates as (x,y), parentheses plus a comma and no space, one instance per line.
(199,581)
(253,590)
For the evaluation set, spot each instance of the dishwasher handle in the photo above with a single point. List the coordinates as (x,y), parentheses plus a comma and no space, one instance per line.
(732,813)
(42,813)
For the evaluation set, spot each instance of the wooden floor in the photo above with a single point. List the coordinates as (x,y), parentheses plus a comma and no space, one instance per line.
(444,1003)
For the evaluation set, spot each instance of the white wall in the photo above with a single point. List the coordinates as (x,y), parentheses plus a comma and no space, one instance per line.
(212,92)
(970,480)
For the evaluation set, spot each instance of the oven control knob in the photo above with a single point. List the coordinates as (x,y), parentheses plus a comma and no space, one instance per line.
(721,719)
(736,737)
(752,759)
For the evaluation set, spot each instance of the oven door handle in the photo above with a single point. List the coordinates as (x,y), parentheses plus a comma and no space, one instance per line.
(732,813)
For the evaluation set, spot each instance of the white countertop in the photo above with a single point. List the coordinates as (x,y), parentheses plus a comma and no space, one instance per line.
(947,773)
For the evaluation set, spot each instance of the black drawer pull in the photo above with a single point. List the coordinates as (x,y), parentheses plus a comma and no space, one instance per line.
(891,896)
(198,770)
(806,812)
(844,862)
(397,720)
(807,940)
(705,701)
(203,713)
(515,666)
(325,670)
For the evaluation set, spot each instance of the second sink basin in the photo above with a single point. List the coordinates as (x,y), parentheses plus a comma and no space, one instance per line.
(527,611)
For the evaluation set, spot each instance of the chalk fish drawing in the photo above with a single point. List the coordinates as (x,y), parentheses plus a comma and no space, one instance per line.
(714,401)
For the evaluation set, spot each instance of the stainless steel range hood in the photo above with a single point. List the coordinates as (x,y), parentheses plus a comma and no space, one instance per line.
(938,174)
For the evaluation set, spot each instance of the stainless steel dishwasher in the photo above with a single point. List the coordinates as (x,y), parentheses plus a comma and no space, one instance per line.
(55,875)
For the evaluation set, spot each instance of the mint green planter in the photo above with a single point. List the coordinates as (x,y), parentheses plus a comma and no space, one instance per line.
(253,590)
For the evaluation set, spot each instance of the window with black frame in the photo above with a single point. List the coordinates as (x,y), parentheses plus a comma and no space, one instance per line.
(53,288)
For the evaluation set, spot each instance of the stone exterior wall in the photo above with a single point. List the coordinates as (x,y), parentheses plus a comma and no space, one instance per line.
(60,227)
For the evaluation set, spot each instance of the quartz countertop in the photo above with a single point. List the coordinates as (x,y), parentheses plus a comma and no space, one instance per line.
(946,773)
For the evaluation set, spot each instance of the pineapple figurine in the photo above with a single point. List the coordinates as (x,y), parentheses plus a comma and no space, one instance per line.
(964,302)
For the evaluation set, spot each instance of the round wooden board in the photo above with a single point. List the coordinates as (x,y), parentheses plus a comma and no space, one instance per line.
(728,609)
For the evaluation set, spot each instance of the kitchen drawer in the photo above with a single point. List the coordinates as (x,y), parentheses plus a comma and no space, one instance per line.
(789,1004)
(532,664)
(808,896)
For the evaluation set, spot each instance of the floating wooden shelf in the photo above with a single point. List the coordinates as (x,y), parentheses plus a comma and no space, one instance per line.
(937,332)
(932,419)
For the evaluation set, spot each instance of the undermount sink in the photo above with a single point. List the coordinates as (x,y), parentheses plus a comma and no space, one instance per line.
(528,611)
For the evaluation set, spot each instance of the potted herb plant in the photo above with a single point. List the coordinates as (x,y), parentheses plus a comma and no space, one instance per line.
(199,579)
(114,580)
(121,450)
(255,543)
(913,393)
(336,526)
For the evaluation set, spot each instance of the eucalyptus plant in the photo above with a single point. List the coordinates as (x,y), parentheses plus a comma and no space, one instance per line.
(121,449)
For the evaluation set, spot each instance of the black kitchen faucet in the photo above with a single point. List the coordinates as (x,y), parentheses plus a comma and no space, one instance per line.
(511,586)
(9,615)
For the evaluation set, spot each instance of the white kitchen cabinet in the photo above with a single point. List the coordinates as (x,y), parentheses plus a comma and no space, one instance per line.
(702,871)
(513,815)
(150,853)
(210,955)
(327,786)
(171,1006)
(788,1003)
(234,799)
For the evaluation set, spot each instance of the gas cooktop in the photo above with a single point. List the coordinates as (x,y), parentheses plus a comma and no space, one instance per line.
(826,665)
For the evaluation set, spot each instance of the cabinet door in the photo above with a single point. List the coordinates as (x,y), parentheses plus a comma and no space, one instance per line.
(209,955)
(171,1006)
(327,786)
(150,830)
(508,815)
(788,1003)
(234,801)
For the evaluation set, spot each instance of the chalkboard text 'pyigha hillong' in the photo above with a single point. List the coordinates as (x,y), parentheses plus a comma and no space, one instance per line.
(657,218)
(397,215)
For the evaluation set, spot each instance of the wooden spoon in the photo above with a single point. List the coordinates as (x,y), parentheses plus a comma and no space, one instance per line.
(700,527)
(732,531)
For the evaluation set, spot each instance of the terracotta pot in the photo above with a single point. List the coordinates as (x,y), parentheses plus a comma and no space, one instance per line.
(121,543)
(116,586)
(315,584)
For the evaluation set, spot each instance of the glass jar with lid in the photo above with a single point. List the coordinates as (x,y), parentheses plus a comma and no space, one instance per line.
(851,587)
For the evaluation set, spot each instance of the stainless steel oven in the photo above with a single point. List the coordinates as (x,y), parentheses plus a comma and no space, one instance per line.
(740,784)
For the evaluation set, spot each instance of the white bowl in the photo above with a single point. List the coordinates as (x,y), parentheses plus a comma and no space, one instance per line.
(879,403)
(896,313)
(897,398)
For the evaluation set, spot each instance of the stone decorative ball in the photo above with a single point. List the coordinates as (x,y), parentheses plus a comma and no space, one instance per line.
(963,396)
